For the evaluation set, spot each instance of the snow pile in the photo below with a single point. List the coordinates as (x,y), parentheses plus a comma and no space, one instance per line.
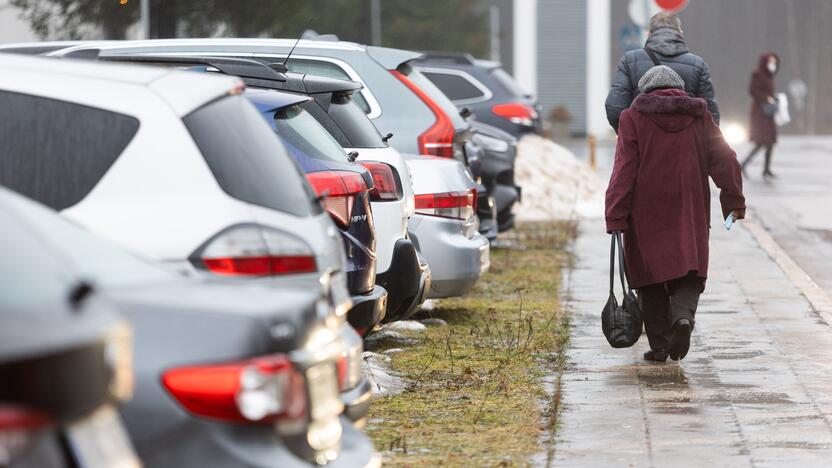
(555,184)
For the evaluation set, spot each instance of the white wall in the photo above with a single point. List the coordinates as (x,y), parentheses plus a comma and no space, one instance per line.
(597,66)
(525,44)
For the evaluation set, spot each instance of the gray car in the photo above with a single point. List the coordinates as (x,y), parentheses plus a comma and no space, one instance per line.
(226,374)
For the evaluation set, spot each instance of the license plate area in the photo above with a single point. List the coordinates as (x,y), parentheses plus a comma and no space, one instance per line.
(99,440)
(324,400)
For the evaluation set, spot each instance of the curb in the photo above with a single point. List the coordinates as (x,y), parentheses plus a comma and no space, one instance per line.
(817,297)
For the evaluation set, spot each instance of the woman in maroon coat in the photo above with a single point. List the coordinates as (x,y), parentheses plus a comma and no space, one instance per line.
(659,197)
(763,130)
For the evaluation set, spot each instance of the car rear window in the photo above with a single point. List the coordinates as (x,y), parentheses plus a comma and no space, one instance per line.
(438,96)
(302,133)
(248,161)
(508,83)
(347,123)
(56,151)
(456,87)
(327,70)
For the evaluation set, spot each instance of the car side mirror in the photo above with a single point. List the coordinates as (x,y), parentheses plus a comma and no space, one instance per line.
(465,112)
(386,138)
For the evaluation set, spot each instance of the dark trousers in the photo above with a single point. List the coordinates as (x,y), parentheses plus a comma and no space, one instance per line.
(769,151)
(664,304)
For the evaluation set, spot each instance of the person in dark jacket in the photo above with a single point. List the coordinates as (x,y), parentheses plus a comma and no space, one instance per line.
(659,197)
(763,130)
(669,48)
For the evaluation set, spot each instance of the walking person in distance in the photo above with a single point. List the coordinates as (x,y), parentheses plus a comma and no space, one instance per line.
(659,198)
(763,107)
(664,46)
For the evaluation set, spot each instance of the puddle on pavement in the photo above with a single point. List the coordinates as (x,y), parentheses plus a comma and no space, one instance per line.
(741,397)
(738,355)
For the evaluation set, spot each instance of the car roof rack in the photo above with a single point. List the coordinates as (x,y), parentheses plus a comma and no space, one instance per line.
(253,73)
(460,58)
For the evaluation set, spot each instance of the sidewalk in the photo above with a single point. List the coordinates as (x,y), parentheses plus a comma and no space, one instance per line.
(755,390)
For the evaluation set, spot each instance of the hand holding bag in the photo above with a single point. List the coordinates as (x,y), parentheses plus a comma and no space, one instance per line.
(621,323)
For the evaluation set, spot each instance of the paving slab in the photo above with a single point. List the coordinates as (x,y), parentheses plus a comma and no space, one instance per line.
(755,389)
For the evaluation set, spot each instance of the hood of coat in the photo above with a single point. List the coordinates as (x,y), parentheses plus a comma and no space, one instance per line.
(762,63)
(671,109)
(668,42)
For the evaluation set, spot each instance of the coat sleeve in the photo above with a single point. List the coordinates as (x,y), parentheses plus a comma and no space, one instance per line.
(705,90)
(621,94)
(619,195)
(724,169)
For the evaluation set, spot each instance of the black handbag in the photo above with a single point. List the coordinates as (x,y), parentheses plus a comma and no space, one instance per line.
(621,323)
(770,108)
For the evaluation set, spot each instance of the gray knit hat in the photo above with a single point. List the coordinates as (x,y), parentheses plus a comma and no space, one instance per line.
(660,76)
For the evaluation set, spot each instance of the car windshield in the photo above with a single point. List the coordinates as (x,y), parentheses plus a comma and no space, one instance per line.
(346,122)
(507,82)
(302,133)
(438,96)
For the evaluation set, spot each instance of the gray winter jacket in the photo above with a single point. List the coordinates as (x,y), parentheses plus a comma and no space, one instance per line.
(672,51)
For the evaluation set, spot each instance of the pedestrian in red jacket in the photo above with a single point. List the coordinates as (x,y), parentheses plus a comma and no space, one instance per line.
(763,105)
(659,196)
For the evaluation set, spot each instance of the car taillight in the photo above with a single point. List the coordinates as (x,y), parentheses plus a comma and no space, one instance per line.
(18,426)
(350,367)
(386,183)
(259,390)
(338,189)
(438,139)
(455,205)
(516,112)
(253,250)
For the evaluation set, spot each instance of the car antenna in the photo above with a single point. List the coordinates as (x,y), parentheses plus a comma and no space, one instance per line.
(299,38)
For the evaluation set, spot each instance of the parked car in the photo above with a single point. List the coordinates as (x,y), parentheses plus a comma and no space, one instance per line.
(143,160)
(219,381)
(421,119)
(485,89)
(499,152)
(445,225)
(65,359)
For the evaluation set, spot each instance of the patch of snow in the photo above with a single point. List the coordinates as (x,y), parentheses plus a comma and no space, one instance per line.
(434,322)
(404,325)
(556,185)
(377,371)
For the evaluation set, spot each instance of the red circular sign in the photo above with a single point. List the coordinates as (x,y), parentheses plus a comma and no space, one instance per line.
(672,5)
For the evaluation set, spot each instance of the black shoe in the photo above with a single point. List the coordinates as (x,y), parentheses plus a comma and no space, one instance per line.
(653,355)
(680,343)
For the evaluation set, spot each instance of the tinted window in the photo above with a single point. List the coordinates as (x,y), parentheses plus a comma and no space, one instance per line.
(56,151)
(304,134)
(436,95)
(345,121)
(329,70)
(249,162)
(507,82)
(456,87)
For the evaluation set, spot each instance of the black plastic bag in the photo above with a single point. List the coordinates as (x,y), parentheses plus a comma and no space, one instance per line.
(622,323)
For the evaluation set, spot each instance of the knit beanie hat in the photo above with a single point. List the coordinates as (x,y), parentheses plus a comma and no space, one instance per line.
(660,76)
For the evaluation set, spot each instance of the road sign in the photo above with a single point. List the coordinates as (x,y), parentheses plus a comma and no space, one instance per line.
(642,10)
(672,5)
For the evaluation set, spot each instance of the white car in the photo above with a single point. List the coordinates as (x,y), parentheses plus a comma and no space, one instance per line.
(162,183)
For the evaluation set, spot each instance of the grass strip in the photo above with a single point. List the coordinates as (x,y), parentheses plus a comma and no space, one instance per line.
(476,395)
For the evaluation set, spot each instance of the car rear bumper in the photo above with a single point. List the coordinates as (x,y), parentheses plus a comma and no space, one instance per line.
(457,257)
(406,282)
(357,402)
(368,310)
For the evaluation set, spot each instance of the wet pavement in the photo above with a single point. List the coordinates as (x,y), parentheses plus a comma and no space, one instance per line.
(755,390)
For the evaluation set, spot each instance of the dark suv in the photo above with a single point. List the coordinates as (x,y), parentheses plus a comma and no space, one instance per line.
(483,87)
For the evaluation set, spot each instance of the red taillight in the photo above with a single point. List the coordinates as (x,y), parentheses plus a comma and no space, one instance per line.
(339,189)
(258,390)
(455,205)
(515,112)
(254,250)
(17,429)
(386,184)
(438,139)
